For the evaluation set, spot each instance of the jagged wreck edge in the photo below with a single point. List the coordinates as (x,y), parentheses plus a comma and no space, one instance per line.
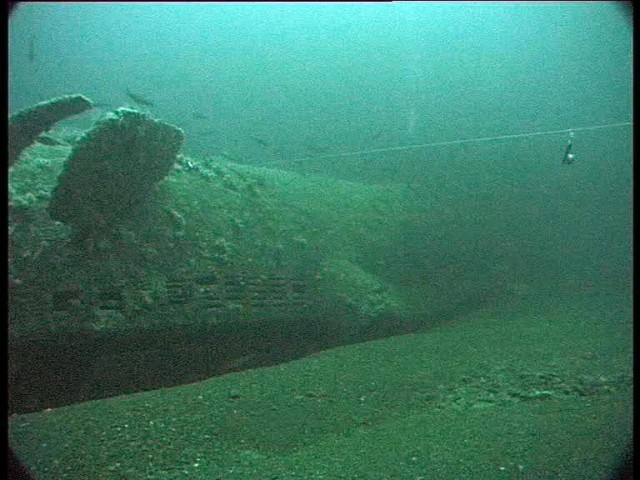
(26,125)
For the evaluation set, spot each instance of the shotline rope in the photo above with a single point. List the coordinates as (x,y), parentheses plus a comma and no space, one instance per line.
(451,142)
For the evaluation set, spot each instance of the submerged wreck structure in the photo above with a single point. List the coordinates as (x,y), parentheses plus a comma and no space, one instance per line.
(112,170)
(26,125)
(133,267)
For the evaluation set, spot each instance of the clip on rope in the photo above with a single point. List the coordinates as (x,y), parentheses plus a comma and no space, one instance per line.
(568,158)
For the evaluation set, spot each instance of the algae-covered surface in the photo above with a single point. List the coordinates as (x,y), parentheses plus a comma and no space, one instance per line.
(538,388)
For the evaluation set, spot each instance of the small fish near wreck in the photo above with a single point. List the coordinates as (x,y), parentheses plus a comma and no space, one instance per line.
(260,141)
(139,99)
(200,116)
(31,56)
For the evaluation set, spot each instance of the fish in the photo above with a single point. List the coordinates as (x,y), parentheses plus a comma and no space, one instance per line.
(49,140)
(260,141)
(200,116)
(31,56)
(318,149)
(103,105)
(207,133)
(139,99)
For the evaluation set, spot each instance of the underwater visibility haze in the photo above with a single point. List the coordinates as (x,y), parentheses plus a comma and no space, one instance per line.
(320,241)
